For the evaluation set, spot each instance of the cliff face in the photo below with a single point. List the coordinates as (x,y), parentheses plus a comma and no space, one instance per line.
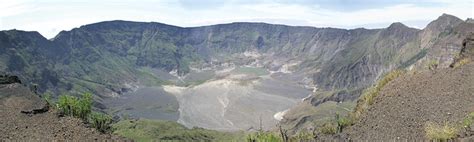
(170,49)
(443,39)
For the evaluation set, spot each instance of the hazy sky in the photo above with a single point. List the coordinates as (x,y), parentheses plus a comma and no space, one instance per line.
(49,17)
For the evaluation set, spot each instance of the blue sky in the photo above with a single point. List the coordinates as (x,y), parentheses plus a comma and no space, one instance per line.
(49,17)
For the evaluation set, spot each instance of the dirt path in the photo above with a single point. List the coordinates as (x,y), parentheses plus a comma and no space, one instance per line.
(15,125)
(406,104)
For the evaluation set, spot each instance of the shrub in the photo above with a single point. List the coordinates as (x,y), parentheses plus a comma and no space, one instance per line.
(440,133)
(47,98)
(72,106)
(468,121)
(461,62)
(389,77)
(303,136)
(328,128)
(263,137)
(433,64)
(342,122)
(100,121)
(369,95)
(82,108)
(85,106)
(66,103)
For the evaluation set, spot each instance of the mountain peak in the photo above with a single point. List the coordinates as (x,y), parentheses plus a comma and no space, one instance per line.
(122,24)
(446,19)
(397,25)
(398,29)
(469,20)
(23,34)
(447,16)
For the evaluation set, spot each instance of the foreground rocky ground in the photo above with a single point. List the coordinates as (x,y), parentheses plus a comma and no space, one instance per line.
(408,103)
(22,119)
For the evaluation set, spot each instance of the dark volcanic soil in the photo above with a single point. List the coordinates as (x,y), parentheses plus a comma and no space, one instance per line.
(406,104)
(18,126)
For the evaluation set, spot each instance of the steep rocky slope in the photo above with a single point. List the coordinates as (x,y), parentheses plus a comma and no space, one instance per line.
(405,107)
(24,118)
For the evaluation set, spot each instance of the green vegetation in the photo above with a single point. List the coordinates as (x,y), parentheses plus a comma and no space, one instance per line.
(328,128)
(433,64)
(331,126)
(73,106)
(414,59)
(320,115)
(303,136)
(100,121)
(251,70)
(368,97)
(262,136)
(468,121)
(82,108)
(461,62)
(93,65)
(159,130)
(440,132)
(146,76)
(106,55)
(336,125)
(448,131)
(342,122)
(47,98)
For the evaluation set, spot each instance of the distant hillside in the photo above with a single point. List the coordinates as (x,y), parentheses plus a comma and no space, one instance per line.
(103,57)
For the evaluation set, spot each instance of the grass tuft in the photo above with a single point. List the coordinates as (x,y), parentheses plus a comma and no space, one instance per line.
(47,99)
(468,121)
(76,107)
(262,136)
(461,62)
(328,128)
(440,132)
(82,108)
(100,121)
(433,64)
(342,122)
(303,136)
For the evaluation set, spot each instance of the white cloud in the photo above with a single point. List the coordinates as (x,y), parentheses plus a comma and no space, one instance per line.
(13,7)
(50,17)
